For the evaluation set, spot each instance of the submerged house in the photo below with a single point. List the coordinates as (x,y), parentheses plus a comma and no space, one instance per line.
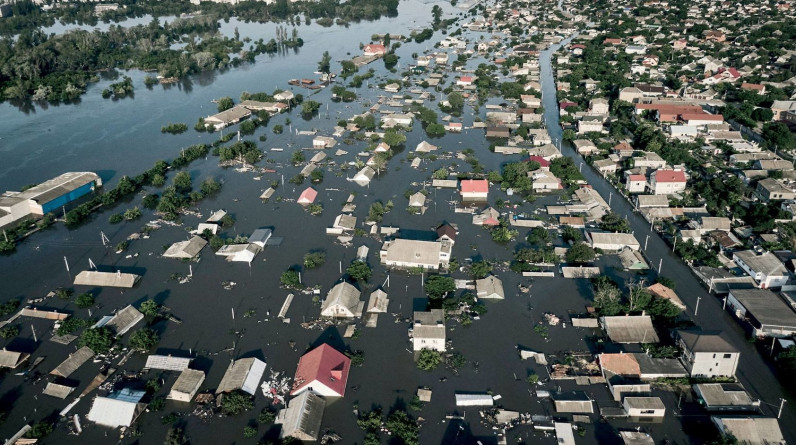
(323,371)
(404,253)
(302,417)
(342,301)
(428,330)
(119,408)
(243,374)
(187,385)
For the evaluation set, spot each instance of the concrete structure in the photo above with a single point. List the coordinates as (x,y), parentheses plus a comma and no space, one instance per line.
(564,433)
(612,242)
(630,329)
(428,330)
(724,397)
(667,182)
(490,287)
(474,189)
(342,301)
(243,374)
(769,189)
(750,430)
(49,196)
(187,385)
(407,254)
(12,359)
(707,354)
(572,402)
(636,438)
(767,314)
(323,371)
(636,183)
(378,302)
(120,408)
(302,417)
(766,269)
(642,407)
(227,117)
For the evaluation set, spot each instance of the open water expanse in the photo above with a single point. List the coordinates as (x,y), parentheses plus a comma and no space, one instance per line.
(116,138)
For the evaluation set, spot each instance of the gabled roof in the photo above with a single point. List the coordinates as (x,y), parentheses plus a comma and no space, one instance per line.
(325,365)
(343,294)
(446,230)
(243,374)
(621,364)
(11,359)
(74,361)
(630,329)
(696,341)
(307,196)
(186,249)
(661,291)
(669,176)
(120,408)
(302,417)
(475,186)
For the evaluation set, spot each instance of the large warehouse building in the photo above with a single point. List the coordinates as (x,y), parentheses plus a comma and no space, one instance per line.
(46,197)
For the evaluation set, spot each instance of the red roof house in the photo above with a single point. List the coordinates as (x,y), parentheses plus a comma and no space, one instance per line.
(375,49)
(307,196)
(465,81)
(474,188)
(543,163)
(324,371)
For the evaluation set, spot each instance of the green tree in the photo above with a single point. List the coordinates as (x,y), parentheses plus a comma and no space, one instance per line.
(175,436)
(480,269)
(403,427)
(324,65)
(438,286)
(580,253)
(144,339)
(538,236)
(613,222)
(149,308)
(309,107)
(393,138)
(359,270)
(428,359)
(225,103)
(777,134)
(99,340)
(297,157)
(236,402)
(85,300)
(435,130)
(182,182)
(314,259)
(291,279)
(569,233)
(39,430)
(210,186)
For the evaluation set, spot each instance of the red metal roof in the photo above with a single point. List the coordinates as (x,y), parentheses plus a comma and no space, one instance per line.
(466,79)
(475,186)
(669,176)
(325,365)
(542,161)
(637,178)
(308,195)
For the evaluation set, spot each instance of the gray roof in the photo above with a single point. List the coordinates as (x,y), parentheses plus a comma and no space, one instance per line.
(74,361)
(167,362)
(186,249)
(636,438)
(650,365)
(57,390)
(705,342)
(724,395)
(124,320)
(302,417)
(106,279)
(344,295)
(11,359)
(630,329)
(490,287)
(751,430)
(644,403)
(241,374)
(260,237)
(378,302)
(432,317)
(767,263)
(58,186)
(188,382)
(765,306)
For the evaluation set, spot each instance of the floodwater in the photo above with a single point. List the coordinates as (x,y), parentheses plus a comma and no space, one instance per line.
(123,137)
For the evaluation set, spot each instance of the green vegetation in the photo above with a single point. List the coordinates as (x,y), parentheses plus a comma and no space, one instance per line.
(359,270)
(99,340)
(9,331)
(580,253)
(85,300)
(72,324)
(174,128)
(9,307)
(613,222)
(428,360)
(144,339)
(438,286)
(149,308)
(480,269)
(291,278)
(236,402)
(309,107)
(119,90)
(314,259)
(39,430)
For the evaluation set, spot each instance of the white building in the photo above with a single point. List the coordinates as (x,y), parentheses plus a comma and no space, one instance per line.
(667,182)
(707,354)
(612,242)
(407,254)
(766,269)
(342,301)
(428,330)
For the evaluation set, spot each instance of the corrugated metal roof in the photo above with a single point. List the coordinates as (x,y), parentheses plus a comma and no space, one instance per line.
(188,382)
(241,374)
(167,362)
(73,362)
(124,320)
(56,390)
(302,418)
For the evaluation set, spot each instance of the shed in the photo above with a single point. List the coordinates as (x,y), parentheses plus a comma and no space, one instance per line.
(750,430)
(73,362)
(243,374)
(106,279)
(57,390)
(564,434)
(424,394)
(186,249)
(644,407)
(490,287)
(302,417)
(167,363)
(630,329)
(260,237)
(717,397)
(120,408)
(122,321)
(187,385)
(12,359)
(572,402)
(378,302)
(474,400)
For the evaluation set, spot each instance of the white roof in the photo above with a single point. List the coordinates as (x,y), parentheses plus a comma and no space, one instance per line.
(167,362)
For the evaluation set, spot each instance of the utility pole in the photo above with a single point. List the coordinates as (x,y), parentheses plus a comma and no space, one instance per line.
(696,311)
(660,265)
(781,405)
(610,195)
(646,240)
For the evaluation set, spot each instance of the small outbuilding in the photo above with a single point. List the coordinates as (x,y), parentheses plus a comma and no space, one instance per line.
(572,402)
(644,407)
(244,374)
(187,385)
